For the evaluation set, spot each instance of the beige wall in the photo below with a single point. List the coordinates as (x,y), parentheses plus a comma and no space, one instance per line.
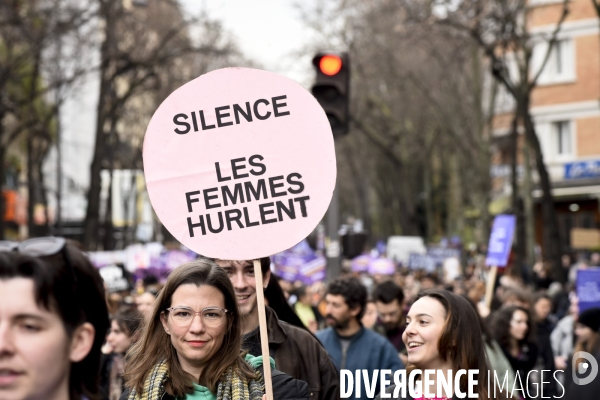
(588,136)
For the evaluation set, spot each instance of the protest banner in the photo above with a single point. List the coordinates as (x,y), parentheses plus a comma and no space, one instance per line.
(588,288)
(240,164)
(421,261)
(399,248)
(361,263)
(501,239)
(382,266)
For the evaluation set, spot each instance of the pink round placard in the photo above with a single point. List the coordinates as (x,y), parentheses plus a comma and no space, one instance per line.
(240,163)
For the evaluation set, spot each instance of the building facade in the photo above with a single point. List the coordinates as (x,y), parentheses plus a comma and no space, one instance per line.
(566,110)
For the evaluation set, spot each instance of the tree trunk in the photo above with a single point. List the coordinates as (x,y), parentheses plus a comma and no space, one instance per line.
(516,202)
(31,182)
(109,231)
(552,251)
(528,209)
(92,215)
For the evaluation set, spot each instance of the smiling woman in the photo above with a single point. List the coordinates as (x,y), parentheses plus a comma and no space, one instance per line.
(442,334)
(191,346)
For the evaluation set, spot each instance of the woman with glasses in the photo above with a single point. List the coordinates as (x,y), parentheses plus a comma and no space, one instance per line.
(191,346)
(53,319)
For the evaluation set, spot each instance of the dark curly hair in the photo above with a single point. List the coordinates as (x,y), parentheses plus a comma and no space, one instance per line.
(501,326)
(353,292)
(386,292)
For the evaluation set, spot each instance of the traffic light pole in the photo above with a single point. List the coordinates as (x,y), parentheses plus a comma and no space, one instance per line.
(334,268)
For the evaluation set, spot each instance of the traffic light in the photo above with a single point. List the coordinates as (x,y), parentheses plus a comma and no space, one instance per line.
(331,89)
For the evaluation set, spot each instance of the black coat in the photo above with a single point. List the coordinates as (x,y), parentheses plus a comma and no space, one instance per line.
(390,389)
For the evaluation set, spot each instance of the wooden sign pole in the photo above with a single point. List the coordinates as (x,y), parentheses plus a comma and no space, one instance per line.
(489,292)
(262,321)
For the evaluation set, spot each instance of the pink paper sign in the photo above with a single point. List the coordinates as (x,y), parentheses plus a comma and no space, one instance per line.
(240,163)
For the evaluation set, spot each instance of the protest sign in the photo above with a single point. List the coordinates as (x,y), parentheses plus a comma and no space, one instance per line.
(399,248)
(361,263)
(421,261)
(300,263)
(588,288)
(441,254)
(382,266)
(240,163)
(501,239)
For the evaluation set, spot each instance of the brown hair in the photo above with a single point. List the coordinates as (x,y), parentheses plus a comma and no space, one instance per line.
(155,345)
(461,340)
(591,346)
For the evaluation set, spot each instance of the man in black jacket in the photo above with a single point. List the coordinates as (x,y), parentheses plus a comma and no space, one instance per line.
(295,350)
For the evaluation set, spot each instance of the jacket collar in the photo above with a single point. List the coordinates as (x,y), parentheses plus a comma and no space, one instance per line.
(355,337)
(275,331)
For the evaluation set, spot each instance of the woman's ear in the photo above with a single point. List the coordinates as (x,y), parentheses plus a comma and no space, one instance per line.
(163,320)
(82,342)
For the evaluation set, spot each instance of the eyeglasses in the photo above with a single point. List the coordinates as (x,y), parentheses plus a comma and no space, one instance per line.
(41,247)
(36,247)
(211,317)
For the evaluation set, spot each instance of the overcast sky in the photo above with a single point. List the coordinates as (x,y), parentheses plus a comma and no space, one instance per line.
(268,31)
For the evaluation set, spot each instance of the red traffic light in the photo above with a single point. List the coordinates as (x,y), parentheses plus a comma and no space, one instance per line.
(330,64)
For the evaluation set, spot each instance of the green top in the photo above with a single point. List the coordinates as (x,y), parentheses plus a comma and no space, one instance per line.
(202,392)
(305,313)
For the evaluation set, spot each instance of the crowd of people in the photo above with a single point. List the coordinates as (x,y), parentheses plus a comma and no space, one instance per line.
(197,335)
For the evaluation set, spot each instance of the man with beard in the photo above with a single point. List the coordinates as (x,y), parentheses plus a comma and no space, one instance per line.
(389,300)
(295,351)
(351,346)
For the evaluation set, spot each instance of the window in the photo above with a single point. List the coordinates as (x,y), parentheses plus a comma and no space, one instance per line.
(563,140)
(557,58)
(560,66)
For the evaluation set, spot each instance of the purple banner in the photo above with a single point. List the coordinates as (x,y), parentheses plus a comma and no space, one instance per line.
(588,288)
(382,266)
(300,263)
(361,263)
(501,240)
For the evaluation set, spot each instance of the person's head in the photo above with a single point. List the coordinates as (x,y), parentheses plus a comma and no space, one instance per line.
(429,281)
(195,323)
(124,330)
(542,306)
(512,325)
(345,300)
(514,296)
(241,274)
(145,303)
(586,328)
(303,295)
(53,320)
(389,299)
(370,317)
(442,332)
